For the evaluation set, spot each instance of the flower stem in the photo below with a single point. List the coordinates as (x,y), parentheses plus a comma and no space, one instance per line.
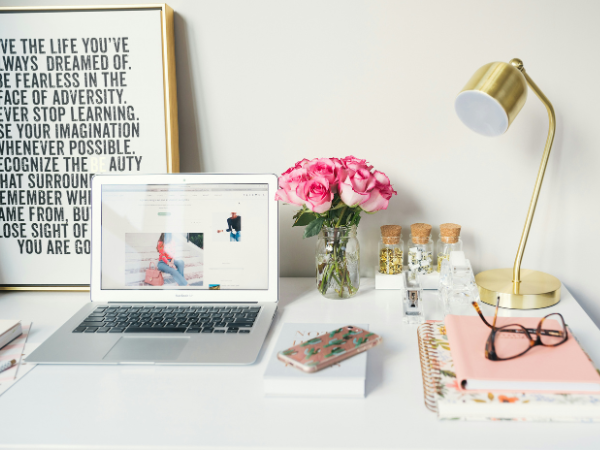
(341,217)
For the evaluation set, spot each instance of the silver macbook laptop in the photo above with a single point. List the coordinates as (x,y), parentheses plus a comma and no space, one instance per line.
(185,270)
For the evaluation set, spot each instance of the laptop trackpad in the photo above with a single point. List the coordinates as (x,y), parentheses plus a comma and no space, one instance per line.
(148,349)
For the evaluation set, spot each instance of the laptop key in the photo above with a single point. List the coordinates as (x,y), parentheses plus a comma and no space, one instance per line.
(232,330)
(243,320)
(155,330)
(94,319)
(90,330)
(103,330)
(90,324)
(244,331)
(193,330)
(207,330)
(79,330)
(219,331)
(240,325)
(116,330)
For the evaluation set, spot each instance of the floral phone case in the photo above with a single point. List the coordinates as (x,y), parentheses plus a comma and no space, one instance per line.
(329,348)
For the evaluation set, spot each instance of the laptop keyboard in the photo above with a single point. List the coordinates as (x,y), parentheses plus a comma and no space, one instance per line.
(170,319)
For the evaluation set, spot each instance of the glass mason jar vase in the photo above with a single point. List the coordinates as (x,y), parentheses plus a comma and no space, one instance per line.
(338,262)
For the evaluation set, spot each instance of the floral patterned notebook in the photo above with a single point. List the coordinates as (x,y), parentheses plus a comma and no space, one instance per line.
(443,396)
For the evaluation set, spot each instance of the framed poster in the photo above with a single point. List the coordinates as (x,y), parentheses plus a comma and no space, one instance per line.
(83,90)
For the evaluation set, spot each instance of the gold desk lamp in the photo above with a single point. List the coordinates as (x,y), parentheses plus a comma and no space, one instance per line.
(488,104)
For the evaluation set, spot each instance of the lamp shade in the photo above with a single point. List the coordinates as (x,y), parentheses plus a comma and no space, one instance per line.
(492,98)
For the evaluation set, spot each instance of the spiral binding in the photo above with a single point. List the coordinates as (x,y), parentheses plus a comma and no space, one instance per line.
(430,365)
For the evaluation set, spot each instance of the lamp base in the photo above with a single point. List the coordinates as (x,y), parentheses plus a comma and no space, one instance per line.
(536,289)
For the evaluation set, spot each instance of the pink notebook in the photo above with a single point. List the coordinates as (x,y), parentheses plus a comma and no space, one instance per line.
(565,368)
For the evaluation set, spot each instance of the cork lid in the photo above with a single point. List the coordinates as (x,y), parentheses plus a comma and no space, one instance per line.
(449,233)
(420,232)
(390,234)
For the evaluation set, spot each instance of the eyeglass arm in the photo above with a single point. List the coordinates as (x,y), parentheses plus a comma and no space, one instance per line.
(529,330)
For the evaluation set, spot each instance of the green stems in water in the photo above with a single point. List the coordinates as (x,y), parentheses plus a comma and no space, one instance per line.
(334,267)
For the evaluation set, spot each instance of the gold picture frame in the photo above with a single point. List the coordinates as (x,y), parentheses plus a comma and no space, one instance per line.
(169,96)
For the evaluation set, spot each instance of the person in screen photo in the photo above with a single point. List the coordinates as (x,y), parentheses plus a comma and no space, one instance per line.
(168,264)
(234,227)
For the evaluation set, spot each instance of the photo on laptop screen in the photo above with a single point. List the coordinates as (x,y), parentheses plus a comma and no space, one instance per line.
(180,259)
(185,236)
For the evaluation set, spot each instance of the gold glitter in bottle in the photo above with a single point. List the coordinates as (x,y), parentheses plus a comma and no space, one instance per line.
(449,242)
(441,257)
(391,250)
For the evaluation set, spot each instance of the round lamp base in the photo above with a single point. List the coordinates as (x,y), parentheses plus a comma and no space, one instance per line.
(536,289)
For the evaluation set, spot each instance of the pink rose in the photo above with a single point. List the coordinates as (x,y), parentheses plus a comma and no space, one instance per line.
(323,167)
(353,164)
(381,177)
(288,183)
(299,165)
(354,189)
(316,194)
(380,195)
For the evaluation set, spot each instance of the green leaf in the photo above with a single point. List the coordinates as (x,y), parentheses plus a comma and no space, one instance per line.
(334,332)
(304,219)
(334,342)
(312,341)
(448,373)
(314,227)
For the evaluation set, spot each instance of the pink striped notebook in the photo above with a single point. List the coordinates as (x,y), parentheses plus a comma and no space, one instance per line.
(564,369)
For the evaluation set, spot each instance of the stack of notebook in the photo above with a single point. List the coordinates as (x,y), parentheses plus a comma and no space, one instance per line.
(545,384)
(345,379)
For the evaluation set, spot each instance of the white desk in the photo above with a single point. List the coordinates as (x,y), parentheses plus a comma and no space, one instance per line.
(223,407)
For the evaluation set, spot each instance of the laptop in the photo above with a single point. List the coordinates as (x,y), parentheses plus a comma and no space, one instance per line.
(184,270)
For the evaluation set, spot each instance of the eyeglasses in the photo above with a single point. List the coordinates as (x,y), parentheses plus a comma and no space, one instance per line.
(511,341)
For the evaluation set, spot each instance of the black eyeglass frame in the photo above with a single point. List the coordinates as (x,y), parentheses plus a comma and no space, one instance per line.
(490,350)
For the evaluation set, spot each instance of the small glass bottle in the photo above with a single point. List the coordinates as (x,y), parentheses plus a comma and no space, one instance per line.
(391,250)
(449,241)
(420,250)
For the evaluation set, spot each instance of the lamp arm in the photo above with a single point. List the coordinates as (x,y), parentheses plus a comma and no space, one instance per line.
(540,176)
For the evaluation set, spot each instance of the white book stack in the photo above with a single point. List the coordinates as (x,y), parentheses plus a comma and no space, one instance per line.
(346,379)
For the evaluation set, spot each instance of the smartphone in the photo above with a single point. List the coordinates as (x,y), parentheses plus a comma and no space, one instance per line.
(329,348)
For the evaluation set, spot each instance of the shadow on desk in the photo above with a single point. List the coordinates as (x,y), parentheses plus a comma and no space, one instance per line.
(375,361)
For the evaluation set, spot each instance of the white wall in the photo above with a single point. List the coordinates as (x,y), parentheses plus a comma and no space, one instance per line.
(263,84)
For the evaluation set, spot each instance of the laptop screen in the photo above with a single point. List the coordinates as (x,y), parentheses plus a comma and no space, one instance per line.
(185,236)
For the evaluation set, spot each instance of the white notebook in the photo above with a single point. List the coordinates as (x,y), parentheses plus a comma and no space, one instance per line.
(346,379)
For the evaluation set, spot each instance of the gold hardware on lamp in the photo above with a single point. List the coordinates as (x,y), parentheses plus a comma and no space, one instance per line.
(488,104)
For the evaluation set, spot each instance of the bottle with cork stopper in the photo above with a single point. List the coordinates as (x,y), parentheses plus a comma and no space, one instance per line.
(391,250)
(420,250)
(449,242)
